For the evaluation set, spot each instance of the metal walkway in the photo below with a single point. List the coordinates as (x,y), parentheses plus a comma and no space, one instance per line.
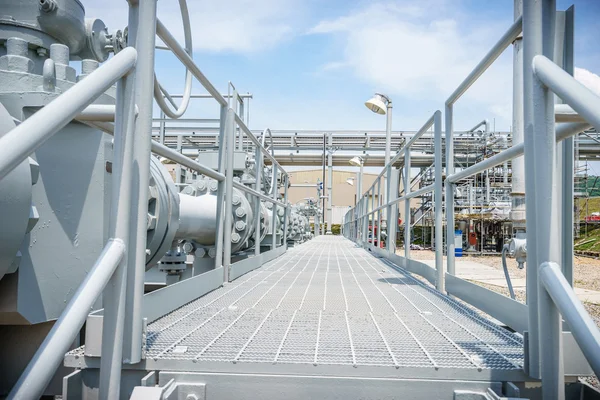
(330,303)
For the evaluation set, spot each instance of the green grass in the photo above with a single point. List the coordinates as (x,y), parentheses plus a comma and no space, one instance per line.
(589,242)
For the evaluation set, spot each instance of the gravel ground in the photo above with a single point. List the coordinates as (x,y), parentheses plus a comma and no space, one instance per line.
(587,276)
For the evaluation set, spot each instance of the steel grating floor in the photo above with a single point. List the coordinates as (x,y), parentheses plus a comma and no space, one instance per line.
(328,302)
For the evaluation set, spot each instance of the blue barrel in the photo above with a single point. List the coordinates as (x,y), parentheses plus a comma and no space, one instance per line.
(458,251)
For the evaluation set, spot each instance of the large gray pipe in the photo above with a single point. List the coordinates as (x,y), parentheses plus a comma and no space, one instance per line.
(197,218)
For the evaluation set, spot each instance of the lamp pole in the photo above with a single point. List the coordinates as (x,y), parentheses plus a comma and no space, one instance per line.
(388,132)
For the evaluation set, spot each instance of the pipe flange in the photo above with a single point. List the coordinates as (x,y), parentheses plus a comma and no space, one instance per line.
(163,212)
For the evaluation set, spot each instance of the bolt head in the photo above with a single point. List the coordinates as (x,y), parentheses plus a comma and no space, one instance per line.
(240,225)
(235,237)
(240,212)
(213,186)
(235,199)
(200,252)
(188,247)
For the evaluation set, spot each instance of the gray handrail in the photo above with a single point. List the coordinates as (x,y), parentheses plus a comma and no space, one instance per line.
(582,326)
(51,352)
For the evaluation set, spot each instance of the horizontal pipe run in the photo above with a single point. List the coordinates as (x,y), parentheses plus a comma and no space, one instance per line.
(563,131)
(564,113)
(510,36)
(253,192)
(166,36)
(99,113)
(579,97)
(254,140)
(166,152)
(32,133)
(186,120)
(51,352)
(582,326)
(209,96)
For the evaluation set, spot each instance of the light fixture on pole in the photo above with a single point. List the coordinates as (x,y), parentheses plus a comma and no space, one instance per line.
(356,161)
(382,104)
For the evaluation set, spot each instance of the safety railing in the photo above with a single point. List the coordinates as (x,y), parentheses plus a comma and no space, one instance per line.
(555,300)
(119,271)
(358,219)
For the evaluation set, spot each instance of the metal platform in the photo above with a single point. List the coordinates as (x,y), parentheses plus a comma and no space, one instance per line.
(330,303)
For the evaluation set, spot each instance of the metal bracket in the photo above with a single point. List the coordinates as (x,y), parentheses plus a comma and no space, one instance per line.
(171,391)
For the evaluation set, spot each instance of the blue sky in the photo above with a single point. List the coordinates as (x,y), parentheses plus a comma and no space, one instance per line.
(311,64)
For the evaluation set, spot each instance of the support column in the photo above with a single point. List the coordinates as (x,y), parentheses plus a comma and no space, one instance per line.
(329,183)
(407,202)
(142,34)
(449,190)
(437,196)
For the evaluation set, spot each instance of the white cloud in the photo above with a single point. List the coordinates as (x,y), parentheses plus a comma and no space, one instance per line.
(424,52)
(233,25)
(589,79)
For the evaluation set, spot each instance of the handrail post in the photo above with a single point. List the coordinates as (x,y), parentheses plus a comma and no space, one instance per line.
(142,32)
(439,244)
(407,202)
(450,247)
(115,292)
(230,128)
(540,148)
(221,187)
(274,221)
(286,209)
(379,203)
(258,160)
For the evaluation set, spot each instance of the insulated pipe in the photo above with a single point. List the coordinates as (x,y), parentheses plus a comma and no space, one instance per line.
(197,218)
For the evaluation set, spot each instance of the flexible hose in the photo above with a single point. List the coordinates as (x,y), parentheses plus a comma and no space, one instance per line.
(160,93)
(505,267)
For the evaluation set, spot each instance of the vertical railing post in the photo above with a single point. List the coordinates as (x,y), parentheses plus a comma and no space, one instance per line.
(407,202)
(230,128)
(566,151)
(388,198)
(274,222)
(330,182)
(437,195)
(372,216)
(142,34)
(286,209)
(539,20)
(366,220)
(379,203)
(114,295)
(161,129)
(449,190)
(258,161)
(221,187)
